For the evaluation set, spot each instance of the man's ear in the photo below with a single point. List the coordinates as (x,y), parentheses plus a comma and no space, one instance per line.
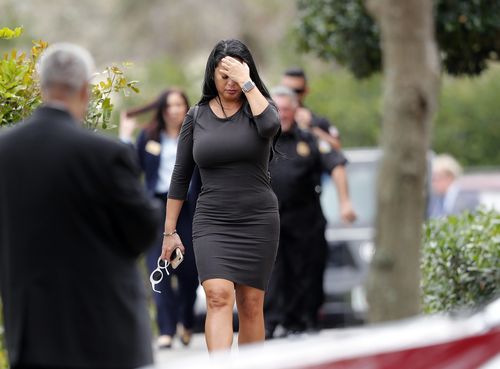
(83,101)
(84,93)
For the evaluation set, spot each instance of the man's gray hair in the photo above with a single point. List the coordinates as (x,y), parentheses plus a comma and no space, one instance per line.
(65,64)
(445,163)
(285,91)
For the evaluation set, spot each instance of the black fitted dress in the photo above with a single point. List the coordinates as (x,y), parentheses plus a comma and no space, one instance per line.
(236,223)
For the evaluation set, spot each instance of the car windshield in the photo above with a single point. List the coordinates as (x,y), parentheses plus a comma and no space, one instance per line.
(361,177)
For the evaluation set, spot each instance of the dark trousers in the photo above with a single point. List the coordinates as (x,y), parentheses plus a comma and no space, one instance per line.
(316,271)
(295,291)
(175,305)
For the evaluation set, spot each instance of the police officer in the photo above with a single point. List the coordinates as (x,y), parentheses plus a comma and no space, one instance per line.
(296,80)
(295,291)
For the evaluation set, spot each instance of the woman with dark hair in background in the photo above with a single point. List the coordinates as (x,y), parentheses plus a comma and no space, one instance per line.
(236,224)
(156,148)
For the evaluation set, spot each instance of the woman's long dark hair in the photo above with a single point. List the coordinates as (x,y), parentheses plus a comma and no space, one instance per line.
(157,124)
(238,50)
(235,49)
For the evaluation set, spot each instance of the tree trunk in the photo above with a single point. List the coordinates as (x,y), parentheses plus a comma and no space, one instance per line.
(411,83)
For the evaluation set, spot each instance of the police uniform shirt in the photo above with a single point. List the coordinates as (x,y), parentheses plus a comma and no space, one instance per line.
(325,125)
(296,174)
(320,122)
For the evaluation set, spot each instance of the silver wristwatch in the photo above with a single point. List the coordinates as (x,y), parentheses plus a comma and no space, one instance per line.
(247,86)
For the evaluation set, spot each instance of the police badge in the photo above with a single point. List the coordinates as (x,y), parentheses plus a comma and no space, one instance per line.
(303,149)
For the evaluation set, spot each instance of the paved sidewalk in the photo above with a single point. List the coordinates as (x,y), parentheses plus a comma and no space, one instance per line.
(178,351)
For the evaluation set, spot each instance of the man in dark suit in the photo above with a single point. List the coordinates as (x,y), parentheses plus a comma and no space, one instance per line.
(73,220)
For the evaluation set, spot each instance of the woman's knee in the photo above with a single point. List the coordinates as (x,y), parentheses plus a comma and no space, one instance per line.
(250,305)
(219,296)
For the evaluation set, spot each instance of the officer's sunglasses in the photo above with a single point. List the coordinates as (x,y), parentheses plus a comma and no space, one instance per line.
(157,274)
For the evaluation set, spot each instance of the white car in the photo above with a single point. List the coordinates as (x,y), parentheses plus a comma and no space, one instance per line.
(476,189)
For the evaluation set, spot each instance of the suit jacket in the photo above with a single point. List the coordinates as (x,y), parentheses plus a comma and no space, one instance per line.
(150,164)
(73,219)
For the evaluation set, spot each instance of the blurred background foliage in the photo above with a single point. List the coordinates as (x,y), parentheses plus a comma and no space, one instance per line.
(461,261)
(467,124)
(467,33)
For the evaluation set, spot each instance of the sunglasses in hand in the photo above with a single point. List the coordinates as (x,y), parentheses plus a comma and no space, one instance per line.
(157,274)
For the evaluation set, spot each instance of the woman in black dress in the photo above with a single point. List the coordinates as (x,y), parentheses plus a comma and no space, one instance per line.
(236,223)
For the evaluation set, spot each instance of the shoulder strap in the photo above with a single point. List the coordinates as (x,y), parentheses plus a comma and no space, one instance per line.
(195,112)
(195,115)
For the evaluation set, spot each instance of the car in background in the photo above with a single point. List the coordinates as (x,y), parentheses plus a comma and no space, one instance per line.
(350,246)
(475,189)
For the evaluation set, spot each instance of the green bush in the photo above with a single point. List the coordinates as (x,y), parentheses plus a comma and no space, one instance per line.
(461,261)
(100,106)
(20,91)
(466,124)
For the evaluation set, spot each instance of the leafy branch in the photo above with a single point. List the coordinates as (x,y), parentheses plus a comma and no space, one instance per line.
(20,89)
(100,105)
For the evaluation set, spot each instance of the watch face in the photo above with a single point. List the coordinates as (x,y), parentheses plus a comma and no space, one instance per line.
(247,86)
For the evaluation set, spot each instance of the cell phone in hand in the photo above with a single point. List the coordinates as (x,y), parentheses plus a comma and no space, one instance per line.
(176,258)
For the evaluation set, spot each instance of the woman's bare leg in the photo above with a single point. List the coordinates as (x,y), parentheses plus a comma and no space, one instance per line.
(250,303)
(219,320)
